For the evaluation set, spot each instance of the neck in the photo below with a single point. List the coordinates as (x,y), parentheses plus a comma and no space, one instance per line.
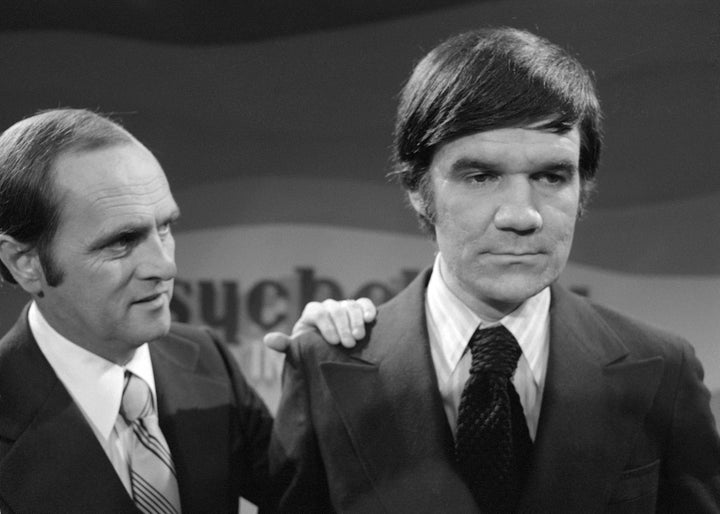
(487,309)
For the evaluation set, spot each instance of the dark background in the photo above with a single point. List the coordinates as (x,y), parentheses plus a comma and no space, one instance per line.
(281,111)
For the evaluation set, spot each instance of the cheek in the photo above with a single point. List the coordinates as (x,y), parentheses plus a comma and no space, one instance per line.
(463,217)
(109,283)
(568,218)
(452,235)
(562,233)
(561,211)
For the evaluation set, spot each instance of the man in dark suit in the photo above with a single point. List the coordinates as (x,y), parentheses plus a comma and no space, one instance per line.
(85,228)
(485,386)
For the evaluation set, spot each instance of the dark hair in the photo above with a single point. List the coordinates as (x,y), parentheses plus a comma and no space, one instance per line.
(489,79)
(29,204)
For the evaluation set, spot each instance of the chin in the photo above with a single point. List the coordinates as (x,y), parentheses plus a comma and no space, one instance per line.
(516,291)
(155,332)
(163,330)
(157,321)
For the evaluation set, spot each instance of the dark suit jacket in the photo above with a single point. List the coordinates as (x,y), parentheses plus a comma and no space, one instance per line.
(50,460)
(625,424)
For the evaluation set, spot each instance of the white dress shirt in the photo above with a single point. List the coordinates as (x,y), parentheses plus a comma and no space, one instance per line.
(451,323)
(96,386)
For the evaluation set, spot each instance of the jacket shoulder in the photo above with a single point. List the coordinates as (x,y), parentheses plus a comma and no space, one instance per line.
(196,347)
(403,316)
(639,337)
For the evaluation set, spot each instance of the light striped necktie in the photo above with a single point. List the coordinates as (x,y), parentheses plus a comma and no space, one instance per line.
(152,473)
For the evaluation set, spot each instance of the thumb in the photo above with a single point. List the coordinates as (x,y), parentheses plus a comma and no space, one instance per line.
(277,341)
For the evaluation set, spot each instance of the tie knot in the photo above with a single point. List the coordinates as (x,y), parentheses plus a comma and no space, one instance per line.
(494,350)
(137,399)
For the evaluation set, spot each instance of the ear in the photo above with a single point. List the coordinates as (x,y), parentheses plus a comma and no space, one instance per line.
(417,201)
(23,262)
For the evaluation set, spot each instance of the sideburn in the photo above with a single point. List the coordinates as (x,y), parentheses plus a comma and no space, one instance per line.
(53,274)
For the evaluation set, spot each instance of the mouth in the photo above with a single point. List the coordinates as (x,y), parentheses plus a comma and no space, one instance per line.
(515,254)
(155,297)
(520,258)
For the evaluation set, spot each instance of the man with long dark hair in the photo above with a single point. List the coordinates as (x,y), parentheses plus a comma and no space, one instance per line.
(484,386)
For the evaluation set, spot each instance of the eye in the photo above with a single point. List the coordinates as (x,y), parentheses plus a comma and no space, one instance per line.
(480,177)
(123,243)
(551,178)
(165,229)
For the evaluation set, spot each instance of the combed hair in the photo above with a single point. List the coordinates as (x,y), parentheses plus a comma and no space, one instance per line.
(490,79)
(29,204)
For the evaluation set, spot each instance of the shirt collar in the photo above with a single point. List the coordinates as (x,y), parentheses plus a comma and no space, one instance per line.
(529,323)
(94,383)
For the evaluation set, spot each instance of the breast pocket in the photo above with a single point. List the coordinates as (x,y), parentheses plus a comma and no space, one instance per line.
(636,490)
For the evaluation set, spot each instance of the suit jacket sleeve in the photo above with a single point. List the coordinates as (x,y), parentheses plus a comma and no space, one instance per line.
(296,467)
(252,434)
(690,479)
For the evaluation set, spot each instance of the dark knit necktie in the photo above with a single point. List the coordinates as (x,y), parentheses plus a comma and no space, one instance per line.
(492,445)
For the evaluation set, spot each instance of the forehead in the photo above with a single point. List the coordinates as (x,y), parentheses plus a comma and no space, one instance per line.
(515,147)
(112,183)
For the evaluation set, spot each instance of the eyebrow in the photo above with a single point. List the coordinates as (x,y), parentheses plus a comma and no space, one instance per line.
(471,162)
(464,163)
(563,165)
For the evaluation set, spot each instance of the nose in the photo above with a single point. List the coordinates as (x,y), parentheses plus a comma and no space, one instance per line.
(517,211)
(157,258)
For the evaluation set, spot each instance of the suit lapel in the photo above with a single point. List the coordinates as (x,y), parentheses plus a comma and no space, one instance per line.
(595,399)
(389,401)
(194,418)
(53,450)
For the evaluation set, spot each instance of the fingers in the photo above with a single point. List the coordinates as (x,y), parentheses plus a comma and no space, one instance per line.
(331,318)
(355,315)
(277,341)
(368,308)
(338,321)
(317,315)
